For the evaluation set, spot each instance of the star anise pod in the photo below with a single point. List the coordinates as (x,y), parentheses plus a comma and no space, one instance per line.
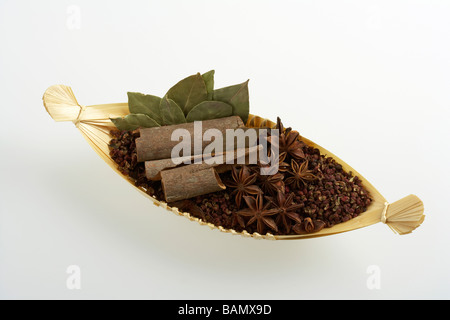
(282,165)
(308,226)
(271,184)
(237,220)
(281,127)
(271,160)
(259,213)
(300,174)
(243,183)
(269,178)
(288,143)
(286,209)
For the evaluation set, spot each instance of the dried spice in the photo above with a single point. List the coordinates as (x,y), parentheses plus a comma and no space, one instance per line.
(236,96)
(147,104)
(290,145)
(271,184)
(220,209)
(300,174)
(171,113)
(259,212)
(156,143)
(123,152)
(134,121)
(286,210)
(208,110)
(309,226)
(305,196)
(188,92)
(191,99)
(281,127)
(191,207)
(333,196)
(282,165)
(242,183)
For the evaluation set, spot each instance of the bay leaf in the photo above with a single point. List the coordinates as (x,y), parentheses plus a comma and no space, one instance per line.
(145,104)
(237,96)
(208,77)
(188,92)
(171,112)
(207,110)
(134,121)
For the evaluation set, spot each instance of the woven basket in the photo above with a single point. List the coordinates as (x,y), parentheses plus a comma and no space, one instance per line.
(402,216)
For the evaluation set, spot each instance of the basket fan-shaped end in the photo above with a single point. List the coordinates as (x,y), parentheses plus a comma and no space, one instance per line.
(404,215)
(61,104)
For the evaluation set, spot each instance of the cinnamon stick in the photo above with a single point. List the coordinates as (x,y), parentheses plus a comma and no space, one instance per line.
(190,181)
(153,168)
(155,143)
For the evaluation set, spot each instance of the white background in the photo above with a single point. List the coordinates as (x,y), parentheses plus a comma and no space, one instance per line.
(368,80)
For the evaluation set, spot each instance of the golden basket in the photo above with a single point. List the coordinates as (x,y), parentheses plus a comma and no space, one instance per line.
(402,216)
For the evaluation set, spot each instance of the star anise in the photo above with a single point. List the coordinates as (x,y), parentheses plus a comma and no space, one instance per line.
(281,127)
(271,184)
(237,220)
(259,213)
(288,142)
(286,209)
(243,183)
(300,174)
(282,165)
(308,226)
(269,178)
(271,160)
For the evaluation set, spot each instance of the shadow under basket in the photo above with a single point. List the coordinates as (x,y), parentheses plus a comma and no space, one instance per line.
(402,216)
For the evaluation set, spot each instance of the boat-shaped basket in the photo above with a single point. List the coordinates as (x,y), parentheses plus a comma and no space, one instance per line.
(402,216)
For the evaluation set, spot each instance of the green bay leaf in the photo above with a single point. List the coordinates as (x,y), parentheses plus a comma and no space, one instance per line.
(148,104)
(208,77)
(171,112)
(237,96)
(134,121)
(207,110)
(188,92)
